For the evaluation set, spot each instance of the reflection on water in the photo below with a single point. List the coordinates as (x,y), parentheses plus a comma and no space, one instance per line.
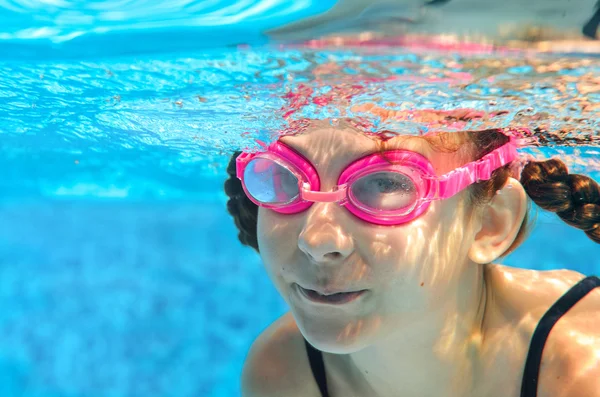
(65,20)
(144,126)
(496,20)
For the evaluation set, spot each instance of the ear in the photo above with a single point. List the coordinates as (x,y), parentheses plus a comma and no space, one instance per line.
(499,223)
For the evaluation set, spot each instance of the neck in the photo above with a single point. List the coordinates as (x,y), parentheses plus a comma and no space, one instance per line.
(435,355)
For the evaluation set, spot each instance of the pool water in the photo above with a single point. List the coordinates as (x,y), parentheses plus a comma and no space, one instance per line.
(120,270)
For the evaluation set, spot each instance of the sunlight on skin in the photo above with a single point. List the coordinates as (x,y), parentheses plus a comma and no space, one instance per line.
(574,336)
(427,248)
(502,348)
(425,298)
(570,353)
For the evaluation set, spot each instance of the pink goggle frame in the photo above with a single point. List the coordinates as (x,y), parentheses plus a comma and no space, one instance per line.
(417,168)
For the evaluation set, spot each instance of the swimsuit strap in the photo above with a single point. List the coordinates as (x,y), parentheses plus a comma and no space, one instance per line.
(540,335)
(315,357)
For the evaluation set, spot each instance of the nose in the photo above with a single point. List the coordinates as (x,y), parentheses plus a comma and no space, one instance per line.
(323,238)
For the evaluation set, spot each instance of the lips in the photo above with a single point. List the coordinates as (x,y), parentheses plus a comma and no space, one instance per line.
(331,296)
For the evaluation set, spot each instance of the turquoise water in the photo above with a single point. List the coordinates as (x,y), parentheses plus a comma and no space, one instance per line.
(120,270)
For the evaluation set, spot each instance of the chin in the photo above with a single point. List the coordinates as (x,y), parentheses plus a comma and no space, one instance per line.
(333,335)
(328,344)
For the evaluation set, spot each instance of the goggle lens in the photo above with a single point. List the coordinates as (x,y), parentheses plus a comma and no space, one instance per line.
(385,191)
(270,183)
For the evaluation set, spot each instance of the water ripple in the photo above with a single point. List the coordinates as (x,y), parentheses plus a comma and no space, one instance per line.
(148,126)
(63,20)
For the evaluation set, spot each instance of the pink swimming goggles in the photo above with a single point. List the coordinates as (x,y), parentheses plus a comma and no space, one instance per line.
(387,188)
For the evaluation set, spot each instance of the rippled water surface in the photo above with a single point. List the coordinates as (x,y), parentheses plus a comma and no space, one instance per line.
(147,127)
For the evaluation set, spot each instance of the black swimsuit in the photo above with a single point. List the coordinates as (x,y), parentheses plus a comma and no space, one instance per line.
(536,347)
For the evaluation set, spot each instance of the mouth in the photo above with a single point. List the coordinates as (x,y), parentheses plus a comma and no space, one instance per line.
(338,298)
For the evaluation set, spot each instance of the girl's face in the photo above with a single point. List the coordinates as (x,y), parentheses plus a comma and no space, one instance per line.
(406,270)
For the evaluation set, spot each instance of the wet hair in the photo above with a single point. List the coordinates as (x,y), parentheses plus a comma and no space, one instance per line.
(239,206)
(574,198)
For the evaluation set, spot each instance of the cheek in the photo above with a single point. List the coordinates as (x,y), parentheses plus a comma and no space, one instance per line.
(430,247)
(456,220)
(446,238)
(277,240)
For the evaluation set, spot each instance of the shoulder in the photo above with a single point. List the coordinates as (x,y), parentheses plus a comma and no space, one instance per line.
(571,356)
(571,363)
(277,363)
(531,292)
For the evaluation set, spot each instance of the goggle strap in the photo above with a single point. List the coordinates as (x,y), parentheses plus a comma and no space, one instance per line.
(240,163)
(245,157)
(481,170)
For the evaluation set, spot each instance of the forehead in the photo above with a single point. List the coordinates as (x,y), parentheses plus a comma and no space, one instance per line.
(349,143)
(338,147)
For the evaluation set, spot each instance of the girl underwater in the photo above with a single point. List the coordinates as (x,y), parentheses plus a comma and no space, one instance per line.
(384,247)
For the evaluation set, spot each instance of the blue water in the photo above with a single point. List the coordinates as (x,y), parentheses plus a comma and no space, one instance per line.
(80,28)
(120,270)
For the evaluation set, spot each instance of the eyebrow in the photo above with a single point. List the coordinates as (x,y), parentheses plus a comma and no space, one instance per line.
(390,144)
(395,143)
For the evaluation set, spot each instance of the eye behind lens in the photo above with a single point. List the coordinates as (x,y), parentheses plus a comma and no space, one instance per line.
(385,191)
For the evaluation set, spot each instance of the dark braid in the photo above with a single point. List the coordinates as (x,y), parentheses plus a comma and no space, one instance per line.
(574,198)
(243,210)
